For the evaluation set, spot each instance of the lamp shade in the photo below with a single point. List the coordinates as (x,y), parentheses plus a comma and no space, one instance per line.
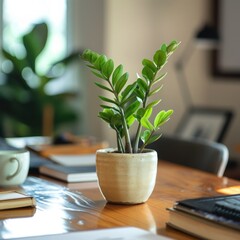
(207,37)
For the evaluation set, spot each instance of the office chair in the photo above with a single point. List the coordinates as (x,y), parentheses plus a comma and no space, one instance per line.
(201,154)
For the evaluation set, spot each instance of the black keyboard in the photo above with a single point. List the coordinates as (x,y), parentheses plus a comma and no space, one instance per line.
(229,208)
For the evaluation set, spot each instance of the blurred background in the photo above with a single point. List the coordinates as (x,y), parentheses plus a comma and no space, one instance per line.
(46,88)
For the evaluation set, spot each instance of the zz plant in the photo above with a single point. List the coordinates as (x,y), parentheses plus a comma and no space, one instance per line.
(130,102)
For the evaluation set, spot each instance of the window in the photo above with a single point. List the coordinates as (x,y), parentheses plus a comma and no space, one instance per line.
(18,17)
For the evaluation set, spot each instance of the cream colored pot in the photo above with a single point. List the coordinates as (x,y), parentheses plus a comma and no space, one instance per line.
(126,178)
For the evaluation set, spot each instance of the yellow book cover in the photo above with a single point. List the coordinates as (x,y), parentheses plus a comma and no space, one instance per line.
(14,199)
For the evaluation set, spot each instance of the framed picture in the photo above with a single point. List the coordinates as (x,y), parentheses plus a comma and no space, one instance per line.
(226,59)
(206,123)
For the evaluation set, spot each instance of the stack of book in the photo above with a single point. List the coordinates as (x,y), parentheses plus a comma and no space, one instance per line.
(72,161)
(209,218)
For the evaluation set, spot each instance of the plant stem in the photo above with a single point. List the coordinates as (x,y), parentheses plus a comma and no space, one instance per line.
(139,129)
(128,145)
(146,143)
(137,137)
(120,143)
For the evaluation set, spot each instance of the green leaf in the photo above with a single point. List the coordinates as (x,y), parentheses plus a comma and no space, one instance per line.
(35,42)
(168,114)
(130,120)
(91,66)
(111,117)
(109,107)
(152,104)
(145,136)
(158,119)
(149,64)
(117,74)
(140,113)
(142,84)
(160,58)
(121,82)
(98,64)
(154,138)
(172,47)
(164,47)
(148,113)
(147,73)
(162,117)
(159,78)
(93,57)
(129,100)
(98,75)
(155,90)
(86,54)
(90,56)
(103,87)
(107,100)
(128,91)
(106,116)
(105,106)
(145,123)
(107,68)
(139,93)
(116,120)
(144,120)
(132,108)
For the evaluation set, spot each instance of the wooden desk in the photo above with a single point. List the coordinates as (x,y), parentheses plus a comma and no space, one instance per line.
(59,210)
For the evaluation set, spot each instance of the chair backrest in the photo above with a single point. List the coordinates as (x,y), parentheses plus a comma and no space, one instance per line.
(196,153)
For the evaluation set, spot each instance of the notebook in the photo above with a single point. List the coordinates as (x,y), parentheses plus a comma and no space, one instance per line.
(223,206)
(70,174)
(118,233)
(14,199)
(74,159)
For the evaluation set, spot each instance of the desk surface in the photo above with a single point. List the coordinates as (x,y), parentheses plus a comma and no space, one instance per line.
(60,210)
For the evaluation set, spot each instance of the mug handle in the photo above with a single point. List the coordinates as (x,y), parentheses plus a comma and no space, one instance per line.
(9,177)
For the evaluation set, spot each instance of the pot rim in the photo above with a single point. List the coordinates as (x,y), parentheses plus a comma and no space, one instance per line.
(146,151)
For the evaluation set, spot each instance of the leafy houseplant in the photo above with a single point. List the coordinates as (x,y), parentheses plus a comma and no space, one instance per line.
(130,102)
(127,175)
(23,96)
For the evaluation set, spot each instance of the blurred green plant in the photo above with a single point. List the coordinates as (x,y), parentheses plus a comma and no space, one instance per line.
(23,96)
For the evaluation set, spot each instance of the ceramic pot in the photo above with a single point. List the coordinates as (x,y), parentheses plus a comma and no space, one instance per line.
(126,178)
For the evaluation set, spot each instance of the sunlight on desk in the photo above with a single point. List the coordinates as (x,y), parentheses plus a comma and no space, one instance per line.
(230,190)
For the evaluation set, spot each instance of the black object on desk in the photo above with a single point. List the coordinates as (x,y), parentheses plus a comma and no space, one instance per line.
(223,206)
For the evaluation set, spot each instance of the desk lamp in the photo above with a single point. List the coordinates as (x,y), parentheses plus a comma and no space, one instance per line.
(200,122)
(206,38)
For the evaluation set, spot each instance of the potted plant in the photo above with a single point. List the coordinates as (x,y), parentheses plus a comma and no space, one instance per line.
(127,174)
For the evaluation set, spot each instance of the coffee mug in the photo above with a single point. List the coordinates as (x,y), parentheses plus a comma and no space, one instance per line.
(14,167)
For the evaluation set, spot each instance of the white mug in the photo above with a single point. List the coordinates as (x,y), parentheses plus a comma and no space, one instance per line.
(14,167)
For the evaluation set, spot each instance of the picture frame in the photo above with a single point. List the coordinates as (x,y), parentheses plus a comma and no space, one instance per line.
(205,123)
(226,59)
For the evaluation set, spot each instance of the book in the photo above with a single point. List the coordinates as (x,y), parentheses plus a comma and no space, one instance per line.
(70,174)
(67,149)
(74,159)
(22,212)
(14,199)
(205,217)
(200,227)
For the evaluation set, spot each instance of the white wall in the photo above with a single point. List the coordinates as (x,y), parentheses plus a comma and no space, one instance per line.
(133,30)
